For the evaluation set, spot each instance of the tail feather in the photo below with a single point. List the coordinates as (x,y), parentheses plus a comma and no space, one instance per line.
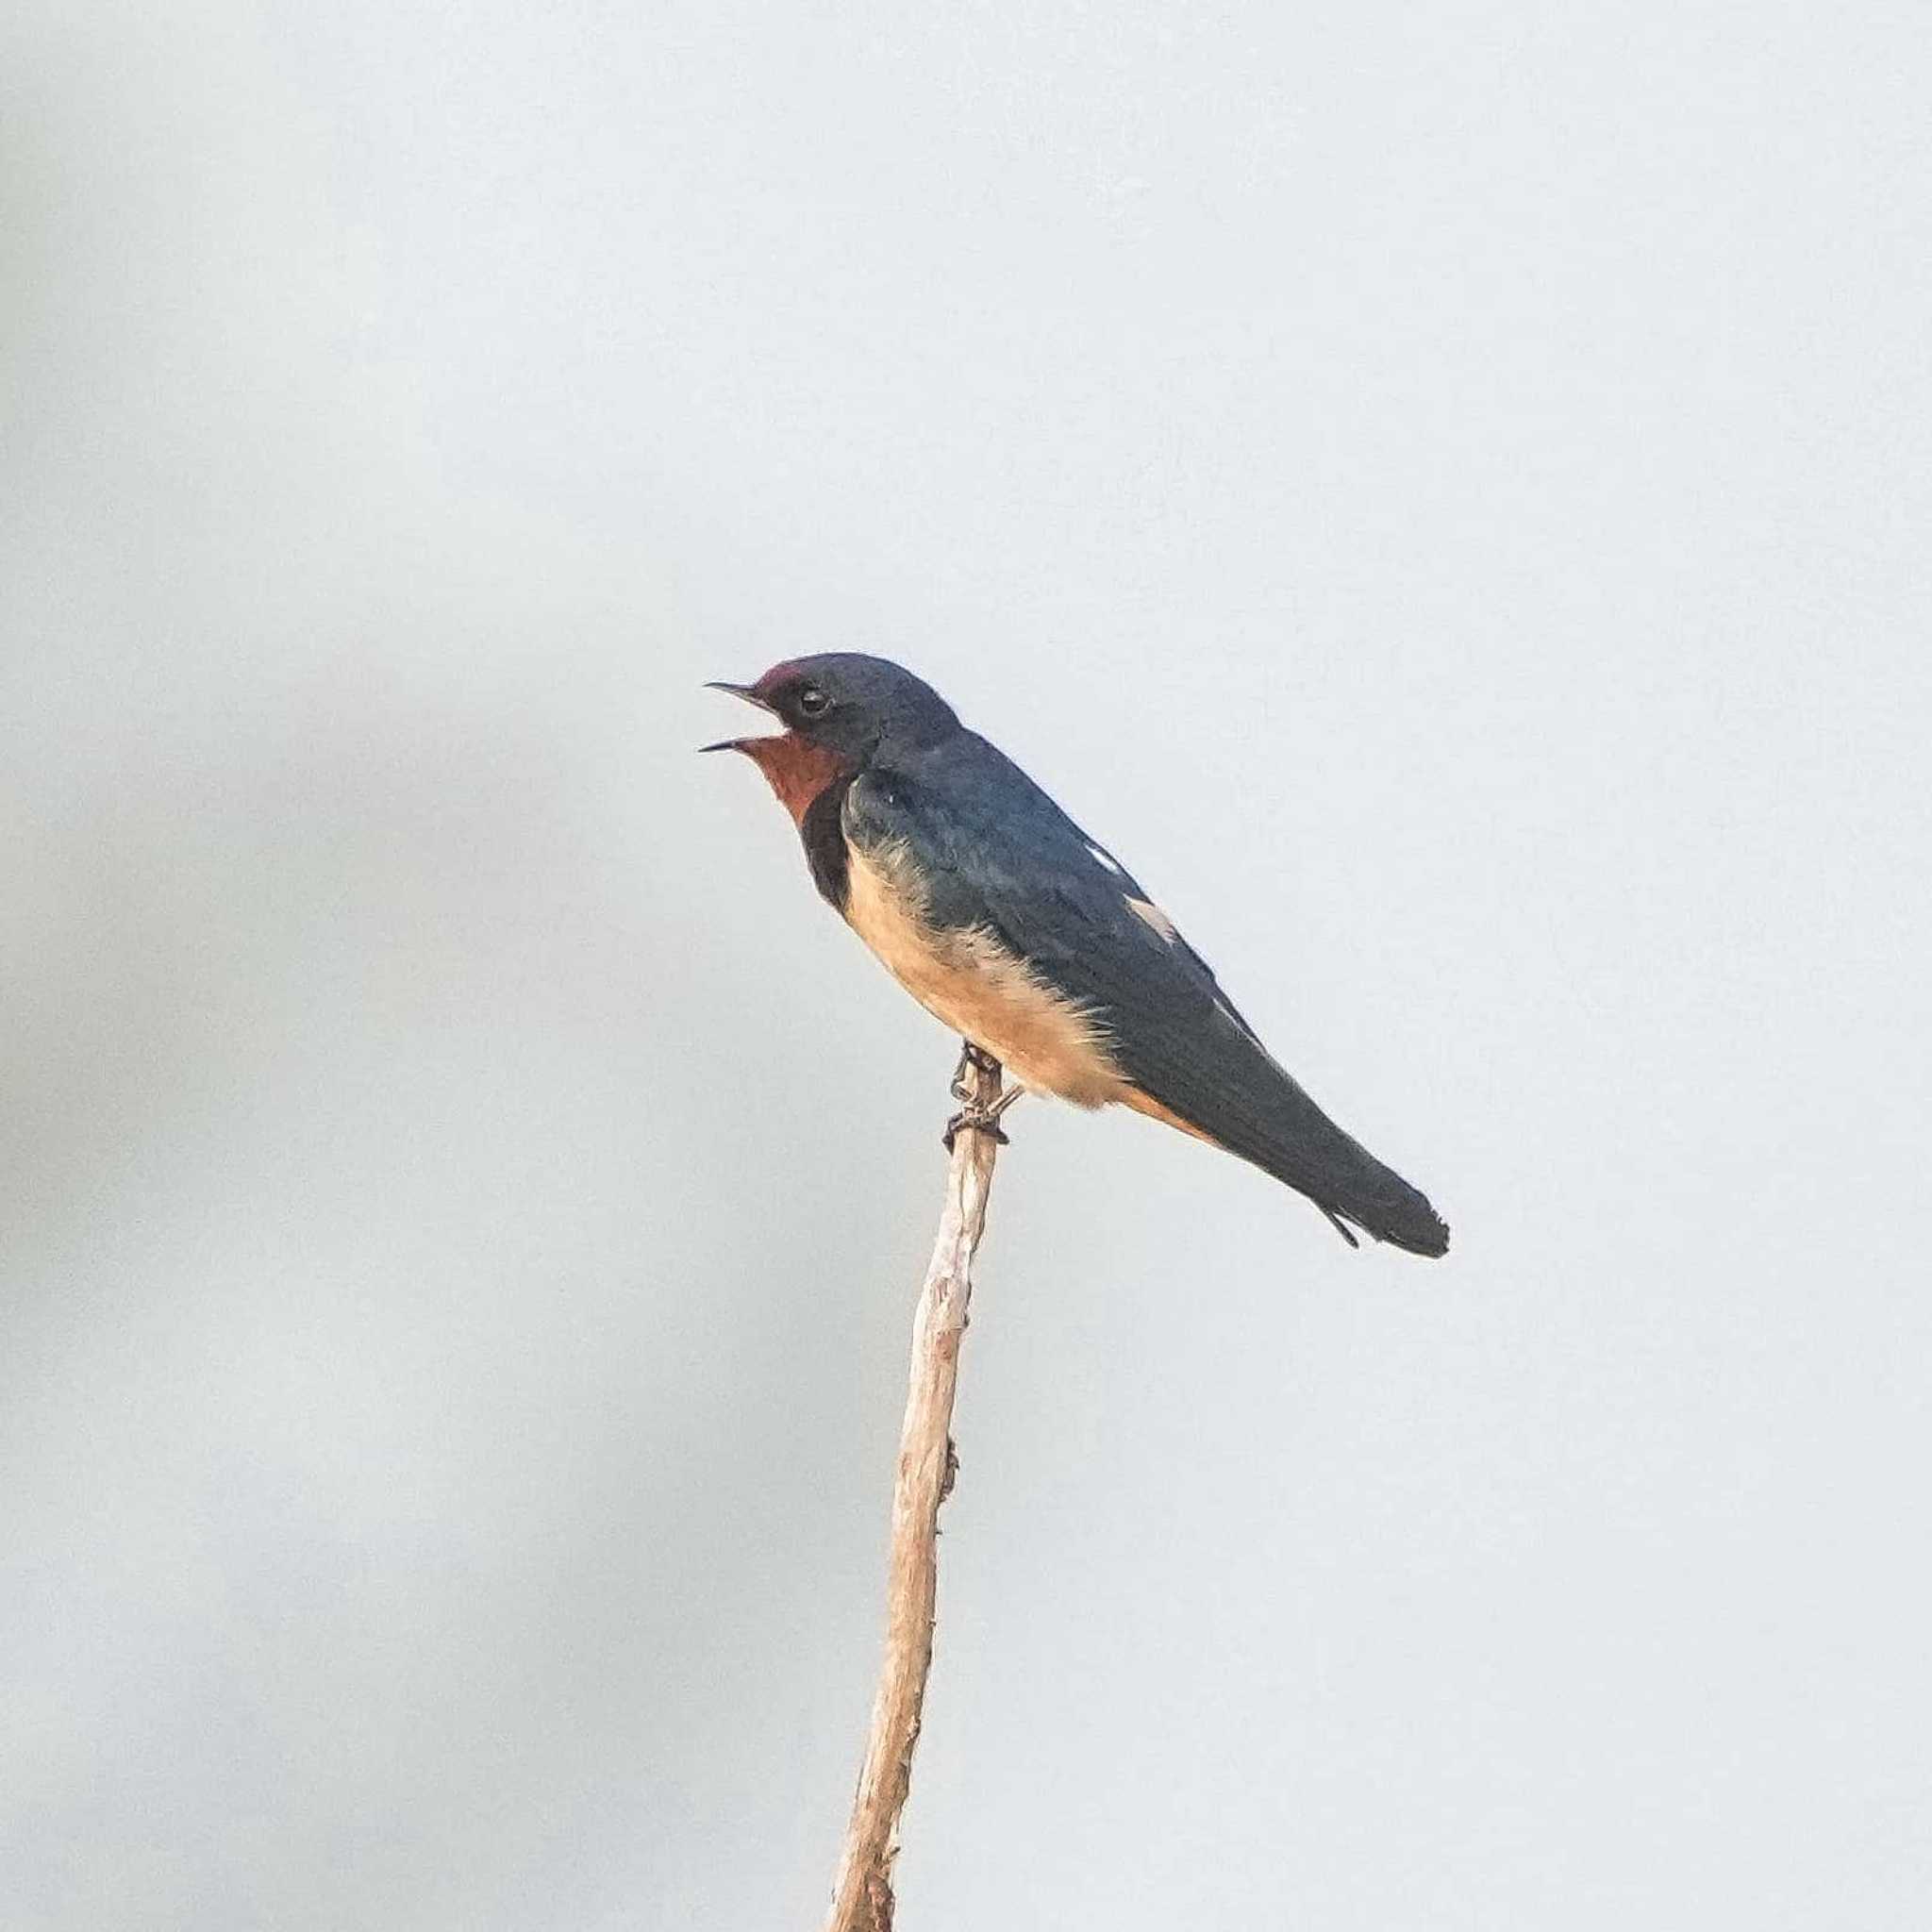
(1301,1145)
(1252,1107)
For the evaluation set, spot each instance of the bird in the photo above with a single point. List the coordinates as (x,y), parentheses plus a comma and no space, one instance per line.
(1031,941)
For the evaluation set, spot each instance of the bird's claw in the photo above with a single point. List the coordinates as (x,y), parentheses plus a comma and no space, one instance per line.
(976,1120)
(976,1116)
(972,1059)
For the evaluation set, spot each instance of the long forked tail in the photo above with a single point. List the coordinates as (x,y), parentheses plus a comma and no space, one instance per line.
(1247,1102)
(1386,1206)
(1349,1185)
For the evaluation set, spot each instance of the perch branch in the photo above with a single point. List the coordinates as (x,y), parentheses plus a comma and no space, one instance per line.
(862,1898)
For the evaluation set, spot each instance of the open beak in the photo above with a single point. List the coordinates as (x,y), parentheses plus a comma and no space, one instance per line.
(749,693)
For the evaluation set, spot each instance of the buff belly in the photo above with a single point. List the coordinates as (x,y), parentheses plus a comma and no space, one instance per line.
(979,988)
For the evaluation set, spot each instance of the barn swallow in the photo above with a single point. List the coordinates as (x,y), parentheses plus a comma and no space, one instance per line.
(1031,941)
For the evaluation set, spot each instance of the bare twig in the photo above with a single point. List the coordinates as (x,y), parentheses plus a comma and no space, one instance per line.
(863,1899)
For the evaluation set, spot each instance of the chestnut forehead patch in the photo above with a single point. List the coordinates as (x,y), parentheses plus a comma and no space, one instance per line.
(778,675)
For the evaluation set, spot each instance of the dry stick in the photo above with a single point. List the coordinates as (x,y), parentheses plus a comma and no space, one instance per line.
(863,1899)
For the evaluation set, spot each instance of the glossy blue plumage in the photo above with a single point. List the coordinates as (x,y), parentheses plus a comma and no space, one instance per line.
(993,854)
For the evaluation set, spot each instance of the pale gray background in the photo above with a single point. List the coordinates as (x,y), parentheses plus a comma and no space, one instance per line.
(1443,490)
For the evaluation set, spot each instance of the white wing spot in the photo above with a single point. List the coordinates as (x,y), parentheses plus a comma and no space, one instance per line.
(1117,871)
(1148,911)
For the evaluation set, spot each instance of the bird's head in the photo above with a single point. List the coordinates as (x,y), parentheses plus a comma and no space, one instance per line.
(840,711)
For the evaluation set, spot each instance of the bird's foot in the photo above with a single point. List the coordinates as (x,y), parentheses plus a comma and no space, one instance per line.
(974,1118)
(977,1120)
(972,1059)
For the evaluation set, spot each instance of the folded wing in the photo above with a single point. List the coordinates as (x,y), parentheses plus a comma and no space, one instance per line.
(998,856)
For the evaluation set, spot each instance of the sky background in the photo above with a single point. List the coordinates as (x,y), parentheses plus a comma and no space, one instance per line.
(1441,489)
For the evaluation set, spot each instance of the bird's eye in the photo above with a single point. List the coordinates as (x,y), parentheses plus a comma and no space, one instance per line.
(813,703)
